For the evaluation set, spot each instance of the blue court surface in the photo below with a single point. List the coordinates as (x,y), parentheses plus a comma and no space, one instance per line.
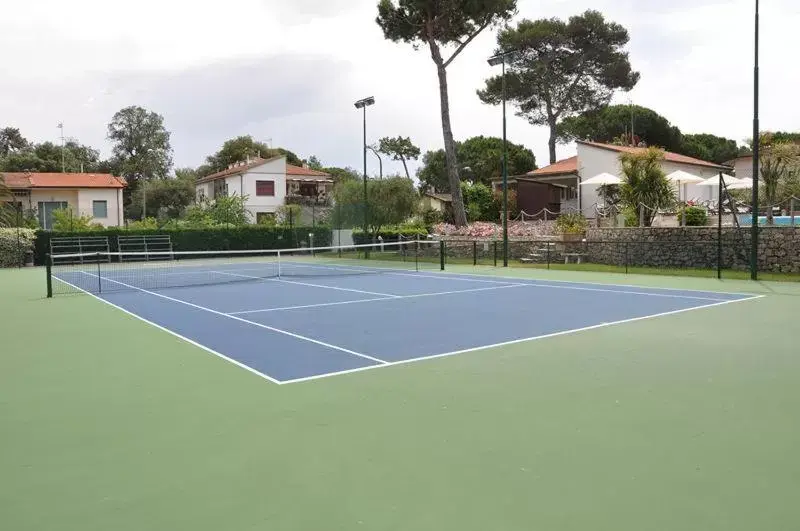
(292,329)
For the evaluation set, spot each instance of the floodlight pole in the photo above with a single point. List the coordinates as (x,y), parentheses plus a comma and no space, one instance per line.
(493,61)
(363,104)
(756,163)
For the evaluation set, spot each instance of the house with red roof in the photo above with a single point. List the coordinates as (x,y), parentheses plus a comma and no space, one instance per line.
(268,184)
(556,188)
(98,195)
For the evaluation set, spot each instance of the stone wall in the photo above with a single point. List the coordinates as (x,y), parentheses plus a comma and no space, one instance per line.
(694,247)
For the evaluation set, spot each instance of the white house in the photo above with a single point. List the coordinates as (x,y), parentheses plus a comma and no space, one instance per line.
(98,195)
(268,184)
(563,191)
(742,166)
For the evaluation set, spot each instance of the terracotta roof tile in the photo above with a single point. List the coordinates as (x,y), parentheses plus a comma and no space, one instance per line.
(562,167)
(669,156)
(297,170)
(63,180)
(237,169)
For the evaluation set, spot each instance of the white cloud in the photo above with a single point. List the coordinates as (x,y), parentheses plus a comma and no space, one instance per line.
(290,71)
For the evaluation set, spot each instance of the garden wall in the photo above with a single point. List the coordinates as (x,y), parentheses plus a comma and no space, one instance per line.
(694,247)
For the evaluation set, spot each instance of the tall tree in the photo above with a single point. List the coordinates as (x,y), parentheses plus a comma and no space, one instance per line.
(46,157)
(241,148)
(440,24)
(11,141)
(481,161)
(614,123)
(141,146)
(314,163)
(709,147)
(645,187)
(340,175)
(391,201)
(562,68)
(399,148)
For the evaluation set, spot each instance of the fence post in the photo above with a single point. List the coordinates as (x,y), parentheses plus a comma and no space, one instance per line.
(791,209)
(626,258)
(641,215)
(495,252)
(99,278)
(548,246)
(474,253)
(49,272)
(441,254)
(719,228)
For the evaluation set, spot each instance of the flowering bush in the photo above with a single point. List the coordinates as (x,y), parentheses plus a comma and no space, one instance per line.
(485,230)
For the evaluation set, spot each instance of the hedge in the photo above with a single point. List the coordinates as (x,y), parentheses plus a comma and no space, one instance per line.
(216,239)
(15,244)
(391,235)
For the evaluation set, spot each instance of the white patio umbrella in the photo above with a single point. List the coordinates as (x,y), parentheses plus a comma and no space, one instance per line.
(602,179)
(714,181)
(682,177)
(745,183)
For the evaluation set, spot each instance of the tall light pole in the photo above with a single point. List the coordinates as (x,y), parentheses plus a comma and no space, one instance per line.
(500,59)
(756,163)
(363,104)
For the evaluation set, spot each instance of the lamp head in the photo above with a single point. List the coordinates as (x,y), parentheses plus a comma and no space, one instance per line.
(366,102)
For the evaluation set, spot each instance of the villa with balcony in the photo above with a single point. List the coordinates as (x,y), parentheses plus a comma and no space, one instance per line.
(268,185)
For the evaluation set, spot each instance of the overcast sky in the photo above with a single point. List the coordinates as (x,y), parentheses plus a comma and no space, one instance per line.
(288,71)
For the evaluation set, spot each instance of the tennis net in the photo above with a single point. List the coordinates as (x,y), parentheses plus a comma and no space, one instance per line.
(102,272)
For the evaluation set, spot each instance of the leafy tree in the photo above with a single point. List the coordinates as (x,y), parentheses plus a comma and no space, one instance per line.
(645,185)
(480,202)
(225,211)
(11,141)
(391,201)
(482,160)
(342,174)
(240,149)
(780,166)
(614,122)
(399,148)
(65,220)
(6,210)
(562,68)
(46,157)
(440,24)
(313,163)
(709,147)
(141,146)
(166,198)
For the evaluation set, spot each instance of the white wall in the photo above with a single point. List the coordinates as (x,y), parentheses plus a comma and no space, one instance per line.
(113,199)
(70,196)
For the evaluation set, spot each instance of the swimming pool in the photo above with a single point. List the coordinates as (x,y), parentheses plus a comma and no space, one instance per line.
(746,219)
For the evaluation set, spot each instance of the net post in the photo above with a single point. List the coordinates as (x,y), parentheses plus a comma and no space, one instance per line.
(99,278)
(279,264)
(49,270)
(474,252)
(416,255)
(719,227)
(441,254)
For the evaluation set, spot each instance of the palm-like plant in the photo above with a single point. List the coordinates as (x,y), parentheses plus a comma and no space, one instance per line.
(645,186)
(780,164)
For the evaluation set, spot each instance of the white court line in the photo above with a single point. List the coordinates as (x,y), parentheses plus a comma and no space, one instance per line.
(267,327)
(536,284)
(387,295)
(523,340)
(176,334)
(396,297)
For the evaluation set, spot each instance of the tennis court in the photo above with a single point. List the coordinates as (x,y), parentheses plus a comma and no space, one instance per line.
(308,315)
(402,396)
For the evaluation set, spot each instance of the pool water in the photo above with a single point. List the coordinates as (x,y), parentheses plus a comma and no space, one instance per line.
(762,220)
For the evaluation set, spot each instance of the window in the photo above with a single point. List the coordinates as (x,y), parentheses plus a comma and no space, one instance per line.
(265,188)
(220,188)
(100,209)
(45,212)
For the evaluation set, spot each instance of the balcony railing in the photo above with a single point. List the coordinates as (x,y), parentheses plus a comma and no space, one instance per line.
(308,200)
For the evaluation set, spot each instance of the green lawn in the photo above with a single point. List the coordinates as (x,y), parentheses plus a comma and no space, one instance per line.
(683,422)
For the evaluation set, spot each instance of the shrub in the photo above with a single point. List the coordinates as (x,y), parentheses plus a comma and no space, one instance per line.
(571,223)
(209,239)
(694,216)
(391,235)
(66,220)
(480,202)
(15,243)
(288,215)
(431,216)
(631,216)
